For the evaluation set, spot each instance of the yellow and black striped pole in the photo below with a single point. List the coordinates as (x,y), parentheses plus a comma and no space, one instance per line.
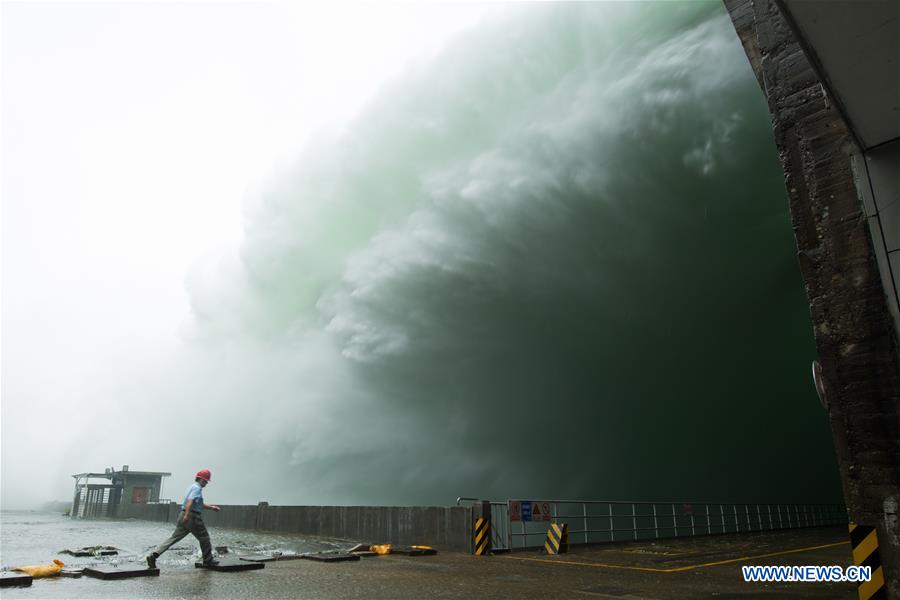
(864,543)
(482,536)
(557,538)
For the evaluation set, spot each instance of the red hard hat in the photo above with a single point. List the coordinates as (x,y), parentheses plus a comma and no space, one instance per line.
(204,474)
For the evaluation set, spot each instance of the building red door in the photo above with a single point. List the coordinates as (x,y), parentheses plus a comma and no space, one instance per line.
(140,495)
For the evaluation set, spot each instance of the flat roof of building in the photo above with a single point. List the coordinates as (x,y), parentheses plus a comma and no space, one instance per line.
(107,475)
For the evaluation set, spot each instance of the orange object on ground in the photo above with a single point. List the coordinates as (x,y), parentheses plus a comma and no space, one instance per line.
(43,570)
(381,548)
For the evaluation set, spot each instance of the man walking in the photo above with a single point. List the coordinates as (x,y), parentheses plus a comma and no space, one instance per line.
(190,521)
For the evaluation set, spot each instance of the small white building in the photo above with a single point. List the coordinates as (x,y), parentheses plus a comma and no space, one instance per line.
(101,494)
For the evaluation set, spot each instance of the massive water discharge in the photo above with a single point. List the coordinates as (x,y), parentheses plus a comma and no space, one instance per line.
(554,261)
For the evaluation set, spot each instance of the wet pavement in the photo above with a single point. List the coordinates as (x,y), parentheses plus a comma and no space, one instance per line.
(703,567)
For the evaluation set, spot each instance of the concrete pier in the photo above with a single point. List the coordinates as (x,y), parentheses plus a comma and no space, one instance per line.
(829,73)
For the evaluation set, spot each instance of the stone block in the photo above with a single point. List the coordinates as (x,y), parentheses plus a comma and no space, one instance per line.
(73,573)
(120,572)
(229,565)
(12,579)
(410,551)
(330,556)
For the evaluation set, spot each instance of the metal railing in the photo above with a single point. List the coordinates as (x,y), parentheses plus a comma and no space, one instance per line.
(602,521)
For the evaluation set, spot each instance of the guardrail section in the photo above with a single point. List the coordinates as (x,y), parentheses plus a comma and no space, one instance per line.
(520,524)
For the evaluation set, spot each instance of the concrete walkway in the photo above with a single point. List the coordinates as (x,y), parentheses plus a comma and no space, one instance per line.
(703,567)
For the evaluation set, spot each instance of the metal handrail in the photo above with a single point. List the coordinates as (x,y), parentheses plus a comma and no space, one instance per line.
(690,519)
(461,498)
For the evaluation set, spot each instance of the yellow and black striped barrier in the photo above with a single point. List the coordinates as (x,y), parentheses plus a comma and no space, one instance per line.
(557,538)
(482,537)
(864,542)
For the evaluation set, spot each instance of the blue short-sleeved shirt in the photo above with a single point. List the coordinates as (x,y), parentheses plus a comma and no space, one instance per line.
(195,493)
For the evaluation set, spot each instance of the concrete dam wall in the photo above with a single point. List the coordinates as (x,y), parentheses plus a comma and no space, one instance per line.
(445,528)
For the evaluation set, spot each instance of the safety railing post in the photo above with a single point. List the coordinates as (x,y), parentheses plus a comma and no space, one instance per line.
(722,513)
(509,543)
(708,524)
(655,522)
(737,525)
(674,521)
(612,530)
(633,521)
(584,511)
(747,512)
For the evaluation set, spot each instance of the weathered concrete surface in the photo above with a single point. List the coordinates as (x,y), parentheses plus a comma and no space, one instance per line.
(148,512)
(443,527)
(855,334)
(607,571)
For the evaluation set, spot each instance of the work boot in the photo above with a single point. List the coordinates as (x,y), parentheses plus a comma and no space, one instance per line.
(151,560)
(210,563)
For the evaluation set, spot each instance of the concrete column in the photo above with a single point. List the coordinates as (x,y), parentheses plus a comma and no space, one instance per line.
(855,335)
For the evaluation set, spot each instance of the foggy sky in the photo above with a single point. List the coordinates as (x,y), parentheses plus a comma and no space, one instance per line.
(553,261)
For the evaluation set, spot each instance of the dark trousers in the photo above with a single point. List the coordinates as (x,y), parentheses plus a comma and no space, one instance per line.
(195,526)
